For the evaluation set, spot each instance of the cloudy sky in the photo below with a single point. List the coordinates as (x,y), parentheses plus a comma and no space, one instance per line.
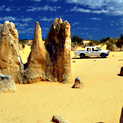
(90,19)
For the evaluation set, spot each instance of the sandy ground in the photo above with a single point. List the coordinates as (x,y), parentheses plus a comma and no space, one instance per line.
(100,101)
(25,53)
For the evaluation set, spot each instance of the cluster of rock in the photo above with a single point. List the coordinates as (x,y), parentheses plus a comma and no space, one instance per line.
(49,60)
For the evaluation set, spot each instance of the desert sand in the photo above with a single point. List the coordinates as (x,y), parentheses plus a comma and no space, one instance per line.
(100,101)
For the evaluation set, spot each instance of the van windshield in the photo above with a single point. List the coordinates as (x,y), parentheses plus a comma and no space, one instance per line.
(98,48)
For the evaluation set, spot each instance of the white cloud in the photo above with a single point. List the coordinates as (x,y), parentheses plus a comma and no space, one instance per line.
(33,8)
(90,3)
(36,0)
(47,19)
(41,0)
(96,19)
(90,11)
(25,30)
(110,7)
(121,20)
(8,18)
(86,29)
(45,8)
(45,29)
(11,18)
(81,10)
(2,7)
(26,19)
(112,24)
(75,24)
(100,11)
(54,0)
(8,9)
(21,25)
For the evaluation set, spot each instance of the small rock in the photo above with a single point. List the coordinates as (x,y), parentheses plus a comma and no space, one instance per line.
(121,117)
(7,83)
(120,60)
(58,119)
(121,72)
(74,61)
(78,83)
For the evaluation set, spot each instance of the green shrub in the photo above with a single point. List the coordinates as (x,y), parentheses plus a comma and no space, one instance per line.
(23,42)
(77,40)
(103,40)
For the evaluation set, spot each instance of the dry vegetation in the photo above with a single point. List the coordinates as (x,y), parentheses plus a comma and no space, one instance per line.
(112,44)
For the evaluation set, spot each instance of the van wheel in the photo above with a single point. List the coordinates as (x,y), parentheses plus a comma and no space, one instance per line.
(103,55)
(82,56)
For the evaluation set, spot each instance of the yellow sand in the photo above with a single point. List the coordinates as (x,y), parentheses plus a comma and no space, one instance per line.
(100,100)
(86,42)
(24,53)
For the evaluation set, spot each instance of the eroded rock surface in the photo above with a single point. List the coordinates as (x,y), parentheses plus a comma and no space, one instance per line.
(47,61)
(36,64)
(121,71)
(58,46)
(50,60)
(59,119)
(121,117)
(78,83)
(10,61)
(7,83)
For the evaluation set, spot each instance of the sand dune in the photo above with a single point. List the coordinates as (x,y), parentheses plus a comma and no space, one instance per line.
(100,100)
(25,53)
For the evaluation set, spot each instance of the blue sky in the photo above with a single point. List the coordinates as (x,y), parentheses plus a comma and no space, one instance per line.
(89,19)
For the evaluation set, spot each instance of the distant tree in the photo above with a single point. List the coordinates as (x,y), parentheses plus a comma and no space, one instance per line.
(91,44)
(23,42)
(103,40)
(77,40)
(95,42)
(121,36)
(119,43)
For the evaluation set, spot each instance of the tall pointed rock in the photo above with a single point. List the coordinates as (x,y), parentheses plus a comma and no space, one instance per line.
(67,53)
(58,46)
(10,61)
(36,64)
